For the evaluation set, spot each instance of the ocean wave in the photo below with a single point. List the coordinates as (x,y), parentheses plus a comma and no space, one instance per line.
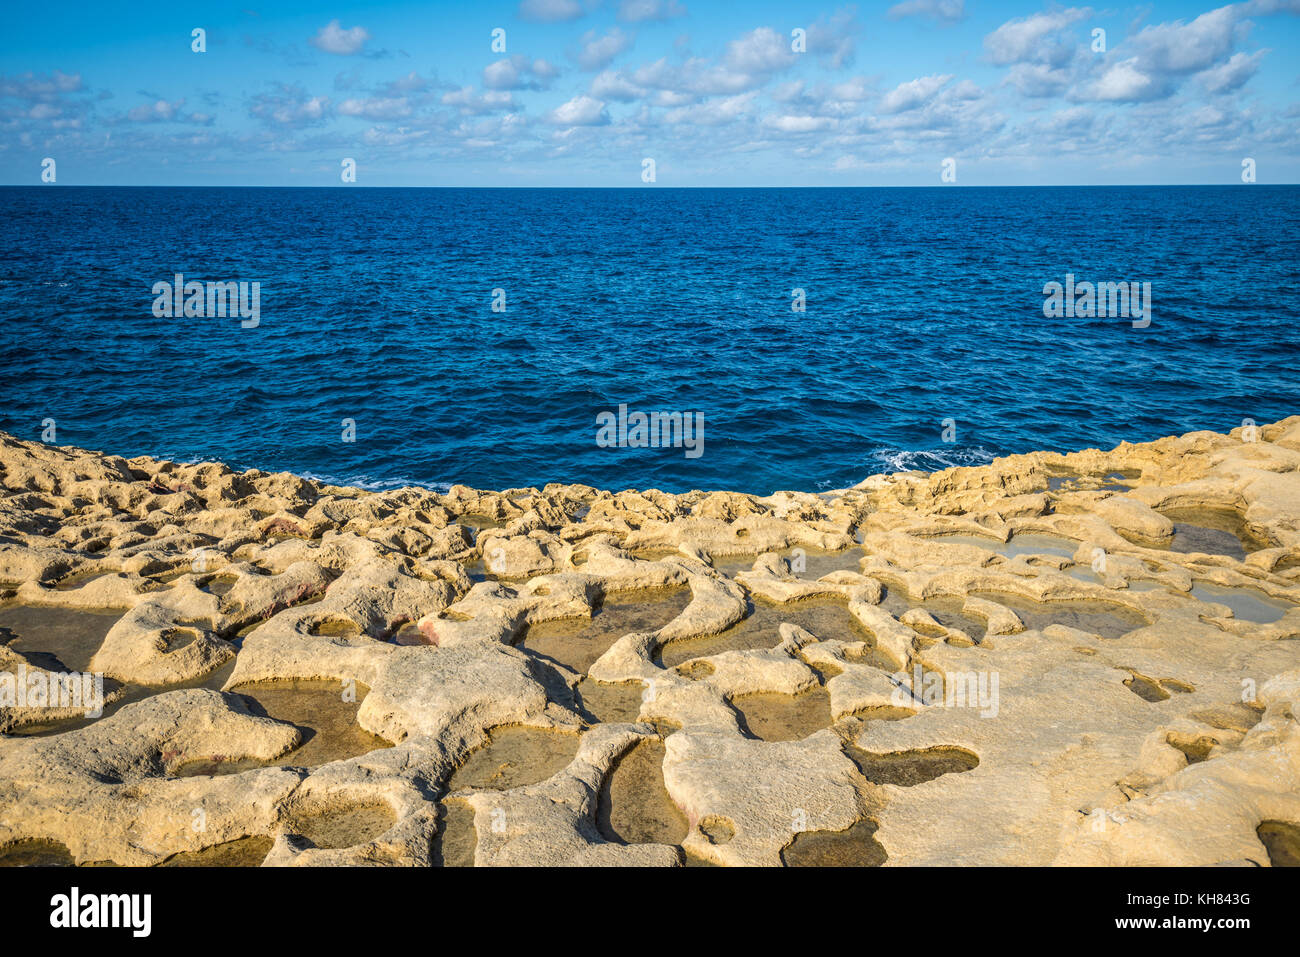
(930,460)
(369,484)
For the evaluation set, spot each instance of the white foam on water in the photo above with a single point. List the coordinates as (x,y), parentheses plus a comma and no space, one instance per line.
(368,484)
(931,460)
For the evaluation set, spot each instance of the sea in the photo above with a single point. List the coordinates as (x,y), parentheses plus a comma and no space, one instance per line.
(503,338)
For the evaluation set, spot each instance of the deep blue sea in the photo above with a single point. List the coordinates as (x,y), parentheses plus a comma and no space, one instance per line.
(376,306)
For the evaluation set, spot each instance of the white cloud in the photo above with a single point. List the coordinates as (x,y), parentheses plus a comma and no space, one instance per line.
(377,108)
(965,90)
(854,90)
(1208,116)
(472,101)
(1233,73)
(332,38)
(847,163)
(759,51)
(519,73)
(1049,56)
(57,101)
(750,96)
(713,112)
(696,77)
(32,86)
(161,111)
(399,137)
(1253,7)
(580,111)
(799,124)
(1124,82)
(1027,40)
(834,40)
(788,92)
(597,50)
(289,106)
(613,85)
(748,63)
(1181,48)
(913,93)
(1155,63)
(1038,79)
(411,83)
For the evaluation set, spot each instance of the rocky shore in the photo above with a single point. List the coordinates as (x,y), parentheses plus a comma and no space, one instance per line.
(1074,659)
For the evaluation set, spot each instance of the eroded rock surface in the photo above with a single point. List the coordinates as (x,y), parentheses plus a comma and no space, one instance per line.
(1036,661)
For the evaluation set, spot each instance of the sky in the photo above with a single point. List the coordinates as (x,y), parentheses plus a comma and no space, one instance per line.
(715,93)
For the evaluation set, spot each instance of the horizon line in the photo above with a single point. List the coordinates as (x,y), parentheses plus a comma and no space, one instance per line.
(644,187)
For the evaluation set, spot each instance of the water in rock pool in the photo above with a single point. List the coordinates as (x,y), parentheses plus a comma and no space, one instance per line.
(611,702)
(1282,841)
(346,826)
(456,839)
(241,852)
(576,643)
(514,756)
(1101,618)
(323,715)
(634,806)
(1211,531)
(1246,604)
(910,768)
(783,717)
(57,639)
(855,847)
(807,563)
(760,628)
(1023,544)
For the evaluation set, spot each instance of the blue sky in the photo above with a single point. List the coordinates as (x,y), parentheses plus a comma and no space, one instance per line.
(712,91)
